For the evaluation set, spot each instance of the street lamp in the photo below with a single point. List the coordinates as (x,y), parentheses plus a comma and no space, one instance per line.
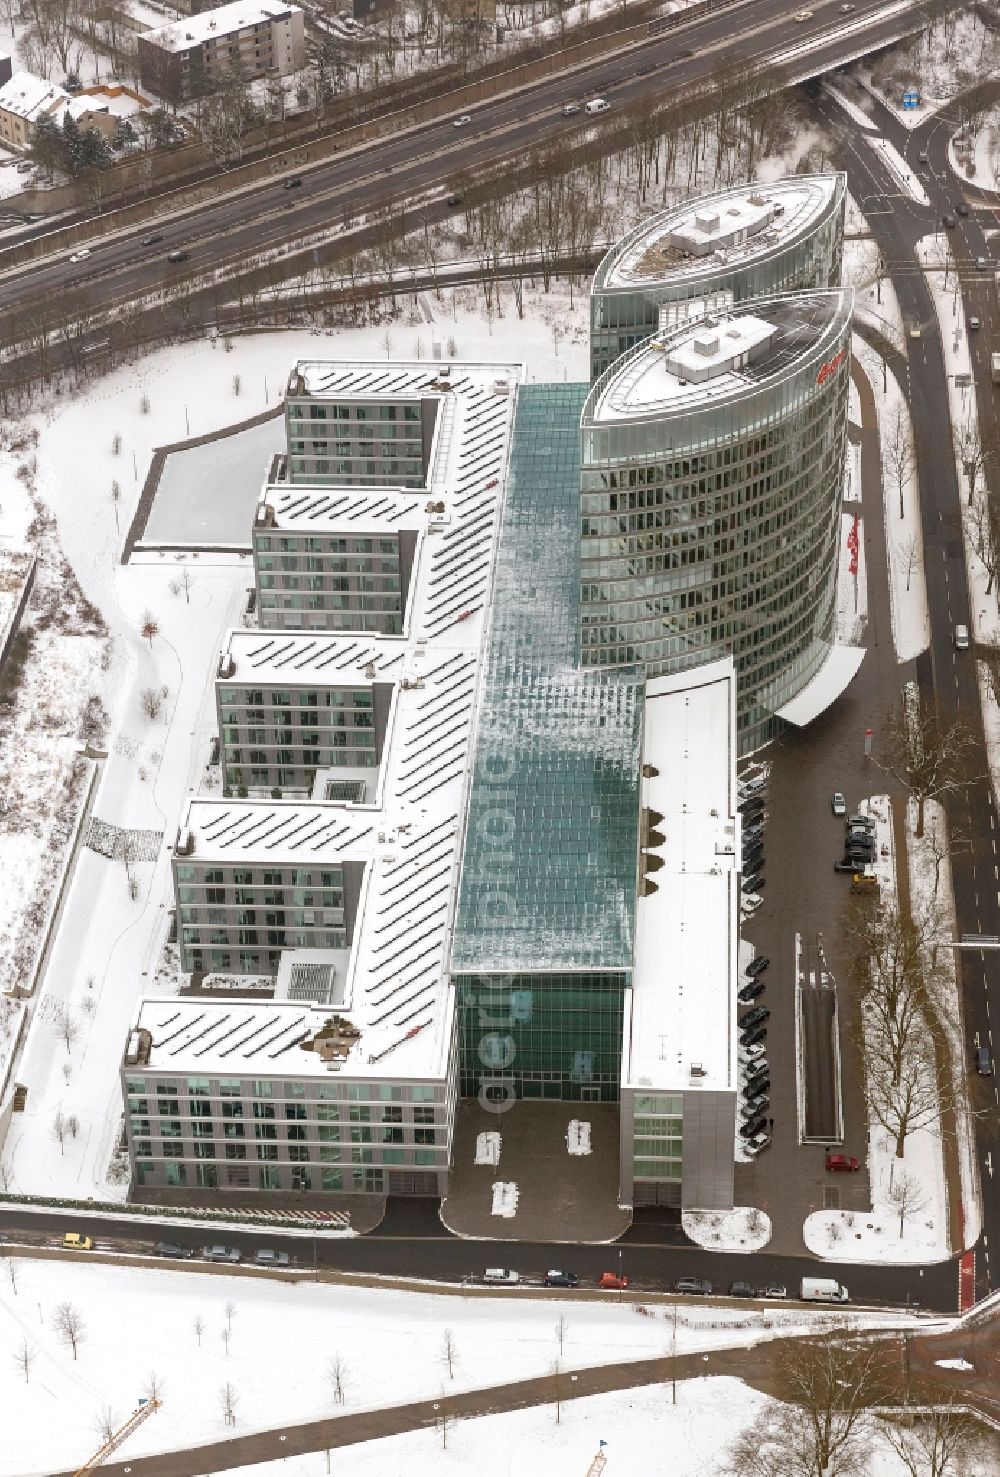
(621,1285)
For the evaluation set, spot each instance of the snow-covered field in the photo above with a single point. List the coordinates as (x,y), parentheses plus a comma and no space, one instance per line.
(274,1340)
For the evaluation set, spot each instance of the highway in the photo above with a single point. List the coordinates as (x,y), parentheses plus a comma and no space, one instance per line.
(945,675)
(239,227)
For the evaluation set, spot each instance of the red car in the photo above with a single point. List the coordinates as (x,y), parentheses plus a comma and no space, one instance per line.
(612,1279)
(842,1161)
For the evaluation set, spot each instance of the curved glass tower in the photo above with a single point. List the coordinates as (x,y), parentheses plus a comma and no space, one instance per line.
(711,480)
(710,253)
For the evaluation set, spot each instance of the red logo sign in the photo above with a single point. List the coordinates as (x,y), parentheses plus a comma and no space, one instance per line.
(831,366)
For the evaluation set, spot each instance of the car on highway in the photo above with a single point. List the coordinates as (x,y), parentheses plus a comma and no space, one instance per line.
(569,109)
(803,15)
(948,221)
(961,637)
(598,105)
(76,1241)
(693,1286)
(961,208)
(502,1275)
(922,157)
(838,804)
(81,255)
(839,1163)
(740,1290)
(561,1279)
(171,1249)
(151,239)
(179,256)
(220,1253)
(750,991)
(974,324)
(295,183)
(455,198)
(462,121)
(756,966)
(983,263)
(268,1257)
(984,1066)
(847,9)
(614,1280)
(775,1290)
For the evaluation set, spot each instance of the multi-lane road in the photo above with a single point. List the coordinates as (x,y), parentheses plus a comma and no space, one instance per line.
(416,161)
(946,676)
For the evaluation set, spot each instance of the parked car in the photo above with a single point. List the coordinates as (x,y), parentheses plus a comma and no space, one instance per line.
(752,1110)
(613,1280)
(693,1286)
(561,1279)
(752,1054)
(758,1067)
(838,804)
(838,1162)
(221,1254)
(751,1038)
(740,1290)
(76,1241)
(501,1274)
(151,239)
(268,1257)
(756,966)
(753,1126)
(171,1249)
(862,822)
(759,1085)
(758,1144)
(847,864)
(775,1290)
(750,991)
(754,1017)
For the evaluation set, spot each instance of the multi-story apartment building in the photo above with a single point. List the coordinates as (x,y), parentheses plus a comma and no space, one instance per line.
(196,55)
(712,479)
(750,241)
(330,560)
(344,1079)
(378,432)
(289,708)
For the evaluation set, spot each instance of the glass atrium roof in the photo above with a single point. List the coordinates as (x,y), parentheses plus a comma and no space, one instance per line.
(549,871)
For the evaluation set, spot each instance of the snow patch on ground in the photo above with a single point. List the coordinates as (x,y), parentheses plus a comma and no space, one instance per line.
(744,1228)
(578,1137)
(899,169)
(962,1364)
(488,1148)
(505,1198)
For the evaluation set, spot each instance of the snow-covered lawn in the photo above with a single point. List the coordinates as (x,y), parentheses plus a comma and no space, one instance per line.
(947,59)
(904,540)
(744,1228)
(578,1137)
(505,1198)
(488,1148)
(282,1337)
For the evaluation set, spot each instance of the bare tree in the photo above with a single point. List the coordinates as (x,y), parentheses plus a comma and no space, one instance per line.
(975,454)
(930,755)
(336,1372)
(937,1442)
(226,1335)
(153,1388)
(562,1328)
(230,1311)
(151,702)
(198,1325)
(70,1327)
(183,581)
(906,1195)
(555,1376)
(106,1423)
(59,1130)
(150,626)
(24,1358)
(116,497)
(13,1272)
(824,1431)
(449,1352)
(909,555)
(982,526)
(897,452)
(229,1400)
(66,1027)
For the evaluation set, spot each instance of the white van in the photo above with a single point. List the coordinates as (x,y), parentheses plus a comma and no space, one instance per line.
(961,638)
(823,1290)
(598,105)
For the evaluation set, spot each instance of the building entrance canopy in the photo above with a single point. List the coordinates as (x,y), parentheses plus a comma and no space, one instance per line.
(828,683)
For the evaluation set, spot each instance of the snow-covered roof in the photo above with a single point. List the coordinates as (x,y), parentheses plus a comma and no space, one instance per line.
(193,30)
(696,239)
(406,835)
(308,659)
(682,1030)
(742,351)
(31,97)
(353,509)
(321,379)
